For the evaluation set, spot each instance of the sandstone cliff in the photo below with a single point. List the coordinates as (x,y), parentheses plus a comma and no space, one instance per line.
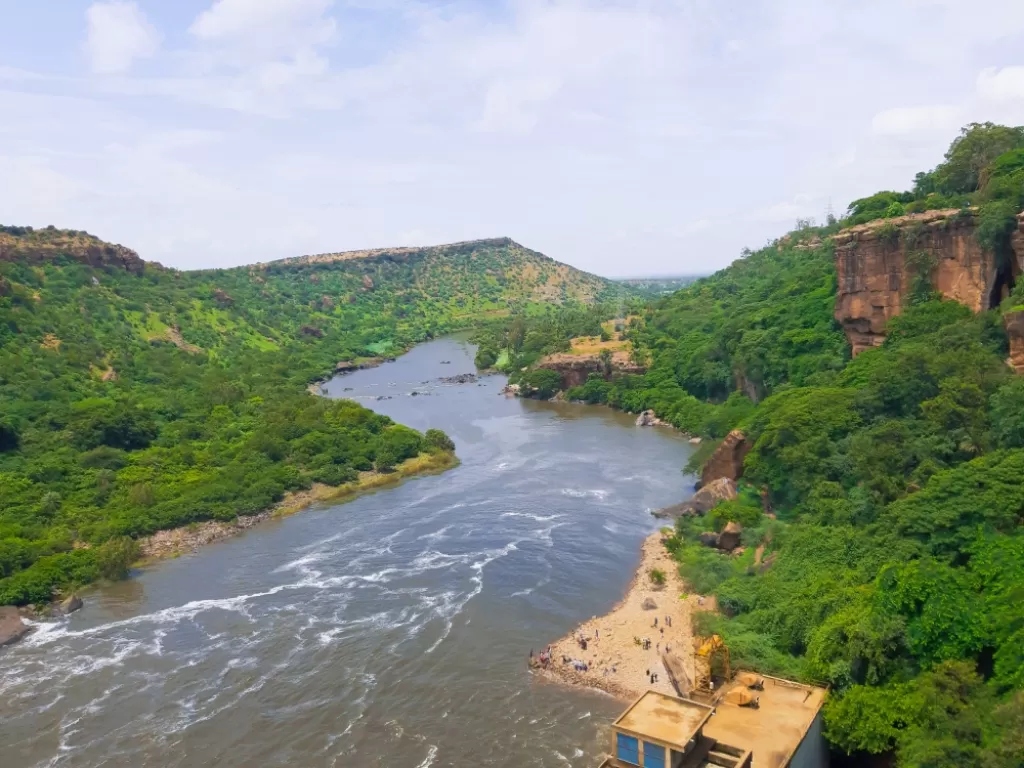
(574,369)
(727,460)
(35,246)
(878,262)
(1014,323)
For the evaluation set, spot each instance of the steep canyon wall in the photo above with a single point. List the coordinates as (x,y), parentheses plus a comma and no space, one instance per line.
(881,263)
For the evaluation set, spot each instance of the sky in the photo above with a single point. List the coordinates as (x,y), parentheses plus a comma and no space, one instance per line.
(625,137)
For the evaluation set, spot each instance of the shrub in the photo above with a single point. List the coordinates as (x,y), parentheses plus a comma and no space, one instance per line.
(485,358)
(657,577)
(436,440)
(116,556)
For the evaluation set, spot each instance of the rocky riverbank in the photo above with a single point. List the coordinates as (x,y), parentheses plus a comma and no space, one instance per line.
(609,653)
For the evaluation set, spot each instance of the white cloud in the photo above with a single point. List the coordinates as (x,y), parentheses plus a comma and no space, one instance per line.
(1006,84)
(674,132)
(914,121)
(265,28)
(787,211)
(117,33)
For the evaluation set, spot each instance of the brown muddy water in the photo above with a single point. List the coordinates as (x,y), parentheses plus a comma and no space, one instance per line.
(389,631)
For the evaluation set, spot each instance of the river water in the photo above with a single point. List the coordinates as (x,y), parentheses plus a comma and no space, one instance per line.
(389,631)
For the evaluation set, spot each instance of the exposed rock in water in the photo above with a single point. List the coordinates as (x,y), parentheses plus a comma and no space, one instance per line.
(649,419)
(727,460)
(695,441)
(12,628)
(703,501)
(1014,323)
(70,604)
(462,378)
(511,390)
(878,263)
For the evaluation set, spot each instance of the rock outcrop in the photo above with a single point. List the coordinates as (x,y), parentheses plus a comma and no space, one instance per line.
(574,369)
(12,628)
(1014,324)
(41,245)
(727,541)
(878,263)
(703,501)
(70,604)
(649,419)
(727,460)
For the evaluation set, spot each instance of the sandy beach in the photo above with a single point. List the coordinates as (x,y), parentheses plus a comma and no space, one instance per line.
(616,663)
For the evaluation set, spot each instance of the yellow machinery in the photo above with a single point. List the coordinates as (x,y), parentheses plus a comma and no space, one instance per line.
(710,650)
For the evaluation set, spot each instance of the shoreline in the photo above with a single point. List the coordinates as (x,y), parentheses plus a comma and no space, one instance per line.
(617,665)
(175,542)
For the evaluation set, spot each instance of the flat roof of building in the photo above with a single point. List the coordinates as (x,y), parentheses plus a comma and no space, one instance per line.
(665,718)
(775,729)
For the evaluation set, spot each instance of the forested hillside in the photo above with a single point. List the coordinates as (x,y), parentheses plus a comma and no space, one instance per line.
(891,565)
(135,398)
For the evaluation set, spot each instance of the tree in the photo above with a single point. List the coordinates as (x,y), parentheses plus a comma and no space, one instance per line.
(605,356)
(977,145)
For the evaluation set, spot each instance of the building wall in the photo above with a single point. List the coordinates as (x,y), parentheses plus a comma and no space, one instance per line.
(813,751)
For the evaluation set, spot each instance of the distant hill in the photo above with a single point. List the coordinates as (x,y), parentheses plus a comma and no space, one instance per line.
(658,286)
(365,302)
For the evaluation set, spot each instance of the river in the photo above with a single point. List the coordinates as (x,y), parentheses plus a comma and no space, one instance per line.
(392,630)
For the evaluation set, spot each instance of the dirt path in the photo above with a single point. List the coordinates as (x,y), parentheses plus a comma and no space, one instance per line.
(616,664)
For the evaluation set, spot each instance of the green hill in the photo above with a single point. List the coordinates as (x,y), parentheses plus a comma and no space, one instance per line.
(135,398)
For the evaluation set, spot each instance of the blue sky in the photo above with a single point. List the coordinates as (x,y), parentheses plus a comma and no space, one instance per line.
(625,137)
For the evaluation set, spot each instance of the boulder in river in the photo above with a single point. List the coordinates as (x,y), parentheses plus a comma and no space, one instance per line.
(649,419)
(70,604)
(12,628)
(703,501)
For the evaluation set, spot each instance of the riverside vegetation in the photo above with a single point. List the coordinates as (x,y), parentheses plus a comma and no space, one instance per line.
(892,566)
(135,398)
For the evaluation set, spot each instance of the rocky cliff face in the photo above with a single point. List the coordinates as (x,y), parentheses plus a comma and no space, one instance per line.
(42,245)
(727,460)
(574,369)
(1014,323)
(879,262)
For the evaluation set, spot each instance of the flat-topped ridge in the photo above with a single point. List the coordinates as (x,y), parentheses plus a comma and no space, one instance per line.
(43,245)
(400,252)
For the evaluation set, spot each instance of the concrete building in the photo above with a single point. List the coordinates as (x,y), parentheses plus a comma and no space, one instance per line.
(777,725)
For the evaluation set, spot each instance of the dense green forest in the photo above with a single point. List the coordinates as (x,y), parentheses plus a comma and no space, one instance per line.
(135,398)
(893,559)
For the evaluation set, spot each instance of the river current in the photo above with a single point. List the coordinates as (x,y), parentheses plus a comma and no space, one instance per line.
(392,630)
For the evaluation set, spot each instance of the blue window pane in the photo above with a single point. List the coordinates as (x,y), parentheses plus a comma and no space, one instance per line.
(654,755)
(628,749)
